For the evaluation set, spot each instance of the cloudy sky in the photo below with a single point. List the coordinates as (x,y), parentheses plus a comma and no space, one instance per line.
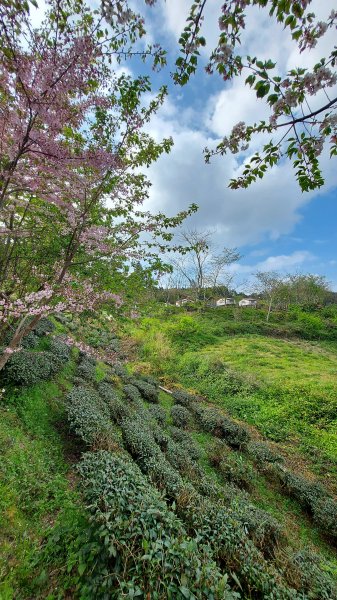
(273,223)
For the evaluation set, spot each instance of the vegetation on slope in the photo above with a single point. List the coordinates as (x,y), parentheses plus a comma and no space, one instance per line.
(173,497)
(286,387)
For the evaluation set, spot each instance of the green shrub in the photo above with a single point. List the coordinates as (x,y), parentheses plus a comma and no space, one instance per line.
(153,557)
(89,418)
(325,516)
(43,327)
(148,391)
(139,439)
(87,368)
(308,573)
(211,420)
(183,398)
(307,493)
(30,341)
(236,470)
(186,442)
(158,413)
(160,436)
(132,393)
(106,391)
(120,371)
(180,459)
(147,378)
(234,434)
(27,368)
(226,532)
(181,416)
(263,529)
(261,454)
(59,349)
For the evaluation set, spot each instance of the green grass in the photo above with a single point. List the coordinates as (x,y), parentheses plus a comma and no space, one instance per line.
(101,370)
(285,387)
(34,485)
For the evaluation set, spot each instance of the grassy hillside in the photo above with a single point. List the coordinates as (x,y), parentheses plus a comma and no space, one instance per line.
(286,387)
(113,488)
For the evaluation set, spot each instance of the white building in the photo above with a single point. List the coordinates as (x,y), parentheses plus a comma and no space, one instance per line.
(225,302)
(182,302)
(248,302)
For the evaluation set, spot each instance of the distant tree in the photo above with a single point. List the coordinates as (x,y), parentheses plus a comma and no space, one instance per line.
(298,129)
(201,264)
(308,289)
(270,285)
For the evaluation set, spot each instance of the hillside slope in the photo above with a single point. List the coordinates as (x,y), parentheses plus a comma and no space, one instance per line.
(115,488)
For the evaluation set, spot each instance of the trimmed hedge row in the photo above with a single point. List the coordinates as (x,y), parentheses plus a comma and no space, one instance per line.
(186,442)
(311,495)
(133,394)
(213,421)
(224,527)
(87,368)
(27,368)
(181,416)
(89,418)
(148,391)
(144,550)
(158,413)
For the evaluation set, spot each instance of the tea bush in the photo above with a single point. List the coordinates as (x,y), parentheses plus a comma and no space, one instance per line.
(59,349)
(236,470)
(307,571)
(89,418)
(186,442)
(211,420)
(148,391)
(30,341)
(44,327)
(132,393)
(158,413)
(325,516)
(228,538)
(106,392)
(87,368)
(155,557)
(307,493)
(147,378)
(27,368)
(121,372)
(184,398)
(235,435)
(181,416)
(262,455)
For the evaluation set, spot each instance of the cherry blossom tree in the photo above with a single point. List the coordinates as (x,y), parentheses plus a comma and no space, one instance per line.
(297,131)
(71,148)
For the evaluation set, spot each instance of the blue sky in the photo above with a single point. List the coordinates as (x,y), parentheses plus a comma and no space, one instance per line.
(273,223)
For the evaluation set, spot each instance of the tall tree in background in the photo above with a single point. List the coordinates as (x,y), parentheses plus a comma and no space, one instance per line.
(298,129)
(270,286)
(201,264)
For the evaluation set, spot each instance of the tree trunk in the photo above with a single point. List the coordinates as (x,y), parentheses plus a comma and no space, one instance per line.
(269,309)
(20,333)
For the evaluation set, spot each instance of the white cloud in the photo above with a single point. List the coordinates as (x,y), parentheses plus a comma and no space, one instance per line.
(268,209)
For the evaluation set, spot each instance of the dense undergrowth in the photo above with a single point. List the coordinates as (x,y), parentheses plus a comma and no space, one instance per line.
(112,488)
(286,387)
